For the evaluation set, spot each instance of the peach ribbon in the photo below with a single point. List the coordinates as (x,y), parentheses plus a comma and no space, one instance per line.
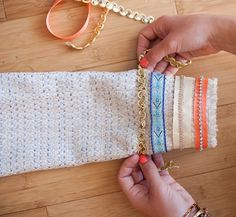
(204,116)
(70,37)
(204,113)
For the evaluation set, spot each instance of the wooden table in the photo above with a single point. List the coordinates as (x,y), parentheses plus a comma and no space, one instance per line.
(92,190)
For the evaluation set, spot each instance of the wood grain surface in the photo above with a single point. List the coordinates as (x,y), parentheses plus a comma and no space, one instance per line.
(92,190)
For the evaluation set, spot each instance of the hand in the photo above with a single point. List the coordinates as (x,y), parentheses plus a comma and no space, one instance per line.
(154,193)
(185,37)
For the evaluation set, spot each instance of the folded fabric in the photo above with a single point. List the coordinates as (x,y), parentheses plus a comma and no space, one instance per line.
(62,119)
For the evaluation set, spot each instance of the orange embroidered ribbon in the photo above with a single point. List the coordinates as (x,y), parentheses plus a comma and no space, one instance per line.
(200,116)
(196,114)
(204,113)
(75,35)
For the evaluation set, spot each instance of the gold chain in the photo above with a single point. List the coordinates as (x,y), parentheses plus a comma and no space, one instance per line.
(96,32)
(141,73)
(119,9)
(175,63)
(109,6)
(169,166)
(142,112)
(141,81)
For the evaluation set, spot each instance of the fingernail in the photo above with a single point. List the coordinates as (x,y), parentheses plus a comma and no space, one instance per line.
(144,62)
(142,159)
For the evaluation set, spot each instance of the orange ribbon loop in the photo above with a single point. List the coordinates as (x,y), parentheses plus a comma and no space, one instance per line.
(70,37)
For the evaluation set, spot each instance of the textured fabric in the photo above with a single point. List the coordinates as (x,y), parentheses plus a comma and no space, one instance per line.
(158,134)
(175,128)
(172,102)
(169,100)
(211,112)
(50,120)
(62,119)
(187,110)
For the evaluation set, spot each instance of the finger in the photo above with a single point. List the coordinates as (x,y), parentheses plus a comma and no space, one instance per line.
(155,42)
(171,70)
(125,174)
(159,51)
(151,174)
(159,162)
(195,53)
(162,65)
(186,55)
(143,44)
(137,176)
(151,32)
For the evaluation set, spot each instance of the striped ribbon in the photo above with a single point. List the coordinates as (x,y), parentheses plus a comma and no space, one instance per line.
(157,99)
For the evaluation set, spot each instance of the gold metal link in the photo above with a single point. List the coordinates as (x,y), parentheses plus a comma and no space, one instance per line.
(96,32)
(141,94)
(141,72)
(108,6)
(112,6)
(169,166)
(141,82)
(142,112)
(175,63)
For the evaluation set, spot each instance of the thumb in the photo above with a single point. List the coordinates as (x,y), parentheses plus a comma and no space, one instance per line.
(160,50)
(151,173)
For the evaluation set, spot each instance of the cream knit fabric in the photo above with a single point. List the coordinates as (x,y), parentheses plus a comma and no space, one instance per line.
(62,119)
(50,120)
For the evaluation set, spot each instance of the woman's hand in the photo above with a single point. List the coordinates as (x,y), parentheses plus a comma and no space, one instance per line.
(188,36)
(154,193)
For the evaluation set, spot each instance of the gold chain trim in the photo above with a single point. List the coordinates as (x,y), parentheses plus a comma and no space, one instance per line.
(109,6)
(119,9)
(169,166)
(96,32)
(141,81)
(175,63)
(142,91)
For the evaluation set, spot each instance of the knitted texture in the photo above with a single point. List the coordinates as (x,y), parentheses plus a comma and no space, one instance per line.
(50,120)
(63,119)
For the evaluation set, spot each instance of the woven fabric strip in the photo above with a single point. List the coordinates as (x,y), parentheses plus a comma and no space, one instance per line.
(204,113)
(158,135)
(175,128)
(187,108)
(62,119)
(169,101)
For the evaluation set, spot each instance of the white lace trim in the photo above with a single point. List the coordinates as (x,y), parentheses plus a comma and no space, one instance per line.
(169,102)
(211,112)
